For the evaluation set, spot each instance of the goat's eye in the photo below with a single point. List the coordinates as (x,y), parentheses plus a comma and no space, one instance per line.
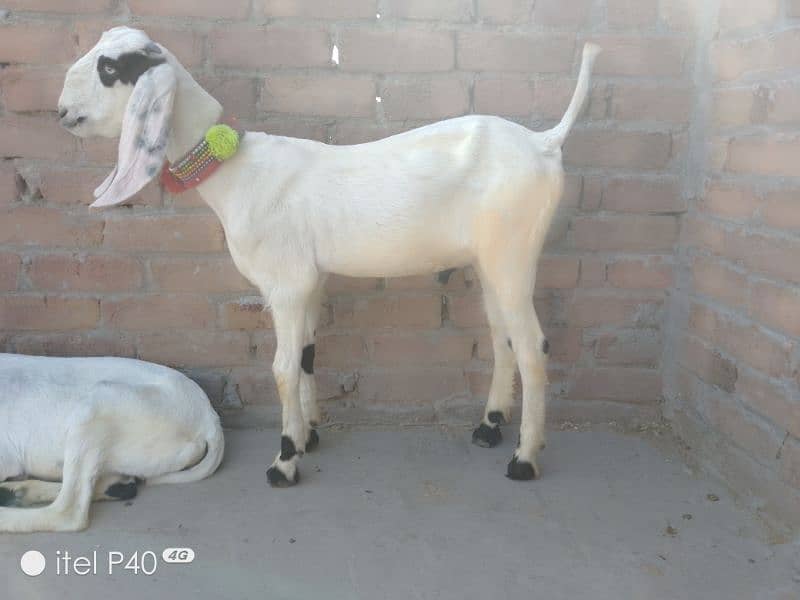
(109,69)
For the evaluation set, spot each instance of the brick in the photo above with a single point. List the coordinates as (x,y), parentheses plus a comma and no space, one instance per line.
(771,399)
(158,311)
(27,89)
(504,95)
(746,342)
(639,56)
(617,384)
(416,349)
(551,98)
(245,313)
(643,196)
(505,11)
(734,14)
(658,104)
(494,51)
(236,94)
(629,347)
(766,254)
(713,279)
(359,131)
(58,6)
(171,233)
(436,98)
(591,309)
(593,272)
(761,56)
(709,365)
(632,13)
(196,348)
(442,10)
(411,385)
(75,185)
(9,269)
(93,273)
(625,233)
(467,311)
(782,105)
(8,184)
(421,311)
(208,9)
(565,343)
(734,106)
(562,13)
(211,275)
(763,155)
(34,137)
(396,50)
(652,273)
(93,343)
(557,272)
(340,351)
(47,227)
(776,306)
(782,210)
(744,431)
(327,95)
(738,203)
(259,48)
(47,313)
(40,44)
(756,105)
(339,284)
(320,9)
(604,148)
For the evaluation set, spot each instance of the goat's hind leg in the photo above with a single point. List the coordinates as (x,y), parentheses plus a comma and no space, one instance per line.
(69,510)
(498,407)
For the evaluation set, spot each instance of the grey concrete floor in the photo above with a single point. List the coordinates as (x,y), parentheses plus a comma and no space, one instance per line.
(421,513)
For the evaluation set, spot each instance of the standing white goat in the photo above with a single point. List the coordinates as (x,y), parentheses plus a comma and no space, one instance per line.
(475,190)
(83,429)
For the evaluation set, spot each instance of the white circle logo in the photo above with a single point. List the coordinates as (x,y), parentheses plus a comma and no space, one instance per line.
(32,563)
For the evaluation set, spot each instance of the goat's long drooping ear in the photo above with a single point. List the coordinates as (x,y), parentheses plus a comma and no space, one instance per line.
(145,131)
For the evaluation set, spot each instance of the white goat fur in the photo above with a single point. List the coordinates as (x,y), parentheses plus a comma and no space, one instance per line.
(90,423)
(475,190)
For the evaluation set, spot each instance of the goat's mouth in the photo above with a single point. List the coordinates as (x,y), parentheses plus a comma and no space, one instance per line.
(70,122)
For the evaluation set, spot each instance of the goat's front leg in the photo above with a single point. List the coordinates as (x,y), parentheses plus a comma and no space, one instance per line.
(289,315)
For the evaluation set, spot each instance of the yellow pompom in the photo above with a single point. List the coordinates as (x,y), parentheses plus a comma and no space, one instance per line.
(223,141)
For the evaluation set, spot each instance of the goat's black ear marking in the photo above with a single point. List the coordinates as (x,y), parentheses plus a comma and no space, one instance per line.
(287,448)
(307,360)
(127,68)
(545,347)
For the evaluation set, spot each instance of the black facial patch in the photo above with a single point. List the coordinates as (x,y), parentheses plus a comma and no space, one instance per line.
(287,448)
(127,68)
(307,360)
(545,347)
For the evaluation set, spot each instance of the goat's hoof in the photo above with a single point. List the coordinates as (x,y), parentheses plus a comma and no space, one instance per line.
(7,497)
(277,478)
(486,437)
(123,490)
(521,470)
(313,441)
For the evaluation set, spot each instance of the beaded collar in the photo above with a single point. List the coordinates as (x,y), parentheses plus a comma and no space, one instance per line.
(218,145)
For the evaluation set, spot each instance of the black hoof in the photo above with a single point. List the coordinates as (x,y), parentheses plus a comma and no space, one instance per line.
(521,470)
(123,491)
(486,437)
(7,497)
(313,441)
(277,479)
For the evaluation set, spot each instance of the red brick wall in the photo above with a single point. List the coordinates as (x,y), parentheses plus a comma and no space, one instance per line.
(733,371)
(154,280)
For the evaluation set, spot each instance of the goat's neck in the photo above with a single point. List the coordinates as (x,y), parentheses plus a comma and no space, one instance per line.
(194,111)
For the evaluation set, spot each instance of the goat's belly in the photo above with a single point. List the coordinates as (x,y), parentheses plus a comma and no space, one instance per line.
(389,256)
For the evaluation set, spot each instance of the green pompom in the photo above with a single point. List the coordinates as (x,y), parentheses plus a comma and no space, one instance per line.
(223,141)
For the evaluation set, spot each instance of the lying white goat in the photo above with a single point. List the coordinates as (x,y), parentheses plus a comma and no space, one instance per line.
(91,428)
(473,190)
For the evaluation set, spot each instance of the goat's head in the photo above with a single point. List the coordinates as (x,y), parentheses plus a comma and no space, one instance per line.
(124,87)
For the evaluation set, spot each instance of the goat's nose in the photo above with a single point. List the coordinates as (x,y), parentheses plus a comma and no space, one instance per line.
(62,112)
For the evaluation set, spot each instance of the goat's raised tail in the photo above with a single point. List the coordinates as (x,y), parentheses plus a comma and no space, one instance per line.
(558,134)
